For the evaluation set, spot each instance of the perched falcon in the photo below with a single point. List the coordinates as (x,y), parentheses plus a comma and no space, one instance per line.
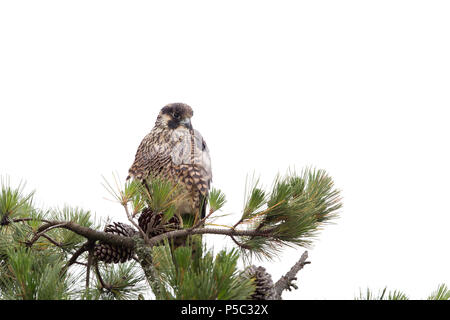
(173,150)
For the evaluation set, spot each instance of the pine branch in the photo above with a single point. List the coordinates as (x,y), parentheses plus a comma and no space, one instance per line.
(58,244)
(285,282)
(290,213)
(241,245)
(89,263)
(41,231)
(130,218)
(75,256)
(103,285)
(127,242)
(118,282)
(28,219)
(88,233)
(227,232)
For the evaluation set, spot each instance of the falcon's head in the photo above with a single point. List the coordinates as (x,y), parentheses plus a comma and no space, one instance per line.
(175,115)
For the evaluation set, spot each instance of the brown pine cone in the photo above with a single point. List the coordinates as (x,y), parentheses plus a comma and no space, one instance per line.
(115,254)
(263,282)
(152,223)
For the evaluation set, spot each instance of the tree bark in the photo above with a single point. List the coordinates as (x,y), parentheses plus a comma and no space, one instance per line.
(285,282)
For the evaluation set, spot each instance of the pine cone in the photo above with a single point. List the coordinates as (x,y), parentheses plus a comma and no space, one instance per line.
(152,223)
(4,221)
(115,254)
(263,281)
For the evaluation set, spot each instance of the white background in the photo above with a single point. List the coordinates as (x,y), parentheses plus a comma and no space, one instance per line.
(358,88)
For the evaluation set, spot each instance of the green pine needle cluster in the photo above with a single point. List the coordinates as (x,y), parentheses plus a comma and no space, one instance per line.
(382,295)
(204,278)
(33,263)
(441,293)
(34,275)
(36,247)
(292,212)
(14,203)
(158,194)
(35,272)
(216,199)
(124,281)
(161,196)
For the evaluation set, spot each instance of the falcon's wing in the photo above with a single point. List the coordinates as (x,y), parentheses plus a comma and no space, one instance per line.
(191,155)
(192,164)
(152,157)
(206,164)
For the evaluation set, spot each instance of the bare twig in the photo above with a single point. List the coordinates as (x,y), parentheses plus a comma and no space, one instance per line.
(201,221)
(75,256)
(28,219)
(237,223)
(239,244)
(89,263)
(58,244)
(43,229)
(99,277)
(285,282)
(130,218)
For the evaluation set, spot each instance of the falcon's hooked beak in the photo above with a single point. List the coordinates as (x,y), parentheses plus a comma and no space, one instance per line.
(187,123)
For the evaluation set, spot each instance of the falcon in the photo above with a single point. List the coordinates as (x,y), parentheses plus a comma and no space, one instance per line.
(174,151)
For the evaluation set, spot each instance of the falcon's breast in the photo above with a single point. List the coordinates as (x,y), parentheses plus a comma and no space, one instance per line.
(180,156)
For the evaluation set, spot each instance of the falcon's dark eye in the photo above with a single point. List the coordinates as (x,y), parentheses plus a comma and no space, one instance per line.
(176,115)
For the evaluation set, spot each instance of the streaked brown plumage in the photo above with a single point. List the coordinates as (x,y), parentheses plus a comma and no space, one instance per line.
(175,151)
